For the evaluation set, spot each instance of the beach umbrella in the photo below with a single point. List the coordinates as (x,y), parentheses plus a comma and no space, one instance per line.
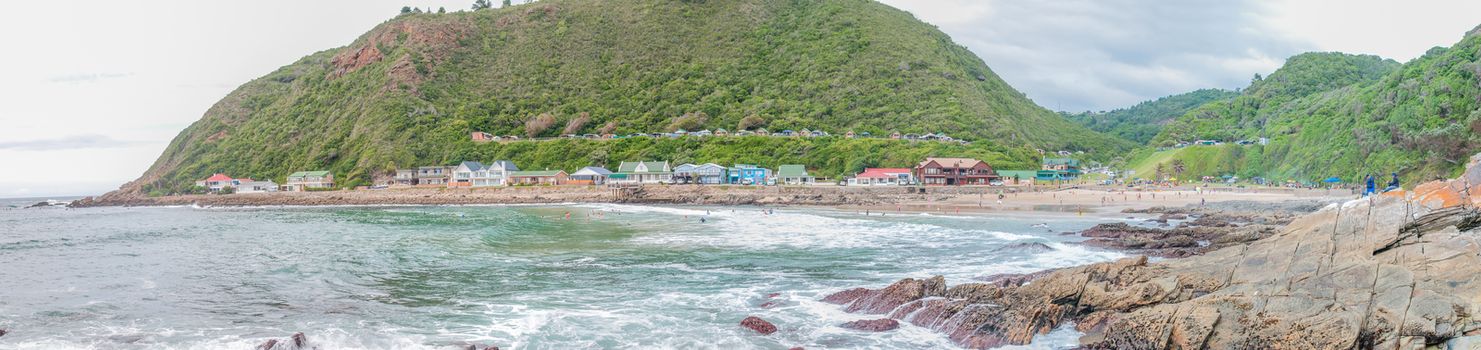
(1332,180)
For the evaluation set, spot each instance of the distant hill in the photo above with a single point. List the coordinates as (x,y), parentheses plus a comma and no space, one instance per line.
(1330,114)
(1245,115)
(1142,122)
(410,91)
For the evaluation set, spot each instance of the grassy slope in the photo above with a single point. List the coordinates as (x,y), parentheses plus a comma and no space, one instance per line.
(408,92)
(1142,122)
(1227,159)
(1421,119)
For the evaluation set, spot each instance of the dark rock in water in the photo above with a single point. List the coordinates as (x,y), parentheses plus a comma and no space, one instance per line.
(879,325)
(847,296)
(759,325)
(42,204)
(3,332)
(477,347)
(773,295)
(1025,247)
(796,348)
(769,304)
(296,342)
(887,299)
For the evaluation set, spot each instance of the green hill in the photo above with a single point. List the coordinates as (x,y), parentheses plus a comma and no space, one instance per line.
(1244,116)
(1342,115)
(409,92)
(1143,121)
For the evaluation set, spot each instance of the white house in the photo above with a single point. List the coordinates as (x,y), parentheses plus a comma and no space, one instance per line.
(264,186)
(704,174)
(642,172)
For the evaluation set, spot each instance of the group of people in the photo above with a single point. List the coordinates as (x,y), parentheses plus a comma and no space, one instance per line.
(1371,185)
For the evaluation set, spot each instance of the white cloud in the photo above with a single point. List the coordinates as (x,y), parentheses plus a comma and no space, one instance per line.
(1104,54)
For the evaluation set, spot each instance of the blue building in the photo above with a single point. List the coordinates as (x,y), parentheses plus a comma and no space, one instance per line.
(746,174)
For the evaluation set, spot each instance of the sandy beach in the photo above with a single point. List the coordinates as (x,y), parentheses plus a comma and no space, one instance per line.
(945,200)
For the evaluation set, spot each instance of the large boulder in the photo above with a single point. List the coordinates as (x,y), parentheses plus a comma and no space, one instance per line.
(759,325)
(888,298)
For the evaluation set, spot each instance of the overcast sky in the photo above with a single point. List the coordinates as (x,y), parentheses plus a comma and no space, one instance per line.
(94,90)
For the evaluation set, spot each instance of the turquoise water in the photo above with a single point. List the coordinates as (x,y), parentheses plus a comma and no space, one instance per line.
(610,276)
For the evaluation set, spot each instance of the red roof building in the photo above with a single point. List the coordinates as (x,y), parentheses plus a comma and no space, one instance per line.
(884,176)
(954,172)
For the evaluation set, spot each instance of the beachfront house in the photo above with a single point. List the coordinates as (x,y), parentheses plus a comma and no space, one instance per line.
(309,180)
(405,178)
(703,174)
(465,172)
(218,182)
(432,176)
(1056,169)
(746,174)
(476,174)
(883,177)
(592,175)
(1017,176)
(793,174)
(642,173)
(499,172)
(954,172)
(537,178)
(264,186)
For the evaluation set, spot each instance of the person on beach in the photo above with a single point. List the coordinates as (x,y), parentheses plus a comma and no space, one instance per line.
(1369,185)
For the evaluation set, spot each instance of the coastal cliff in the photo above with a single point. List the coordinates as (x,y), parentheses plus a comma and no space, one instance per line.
(1394,271)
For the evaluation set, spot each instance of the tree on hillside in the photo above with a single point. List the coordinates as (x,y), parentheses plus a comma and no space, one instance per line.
(751,121)
(689,121)
(574,126)
(481,4)
(1159,171)
(405,9)
(1178,167)
(440,9)
(539,124)
(507,3)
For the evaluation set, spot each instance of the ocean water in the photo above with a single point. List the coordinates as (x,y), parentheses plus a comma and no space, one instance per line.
(521,277)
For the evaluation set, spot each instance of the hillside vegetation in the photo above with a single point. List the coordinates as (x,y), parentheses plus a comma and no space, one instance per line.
(1142,122)
(1245,116)
(1348,116)
(408,92)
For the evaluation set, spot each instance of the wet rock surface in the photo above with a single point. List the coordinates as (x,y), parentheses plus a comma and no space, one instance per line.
(1200,229)
(295,342)
(1396,271)
(759,325)
(879,325)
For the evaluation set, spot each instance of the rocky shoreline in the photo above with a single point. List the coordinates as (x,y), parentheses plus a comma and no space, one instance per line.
(1395,271)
